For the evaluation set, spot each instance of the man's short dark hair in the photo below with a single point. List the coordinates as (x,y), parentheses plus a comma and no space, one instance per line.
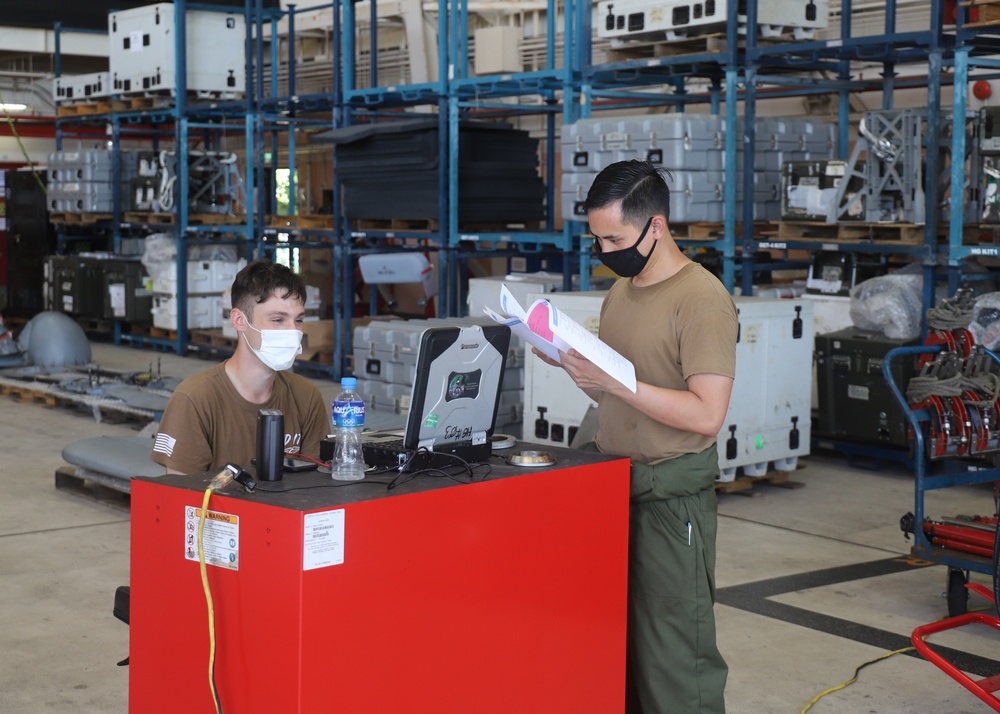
(639,186)
(261,279)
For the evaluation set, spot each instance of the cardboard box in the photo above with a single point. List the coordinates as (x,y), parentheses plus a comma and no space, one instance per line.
(316,340)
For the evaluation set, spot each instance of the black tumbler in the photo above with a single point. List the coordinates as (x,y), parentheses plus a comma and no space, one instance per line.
(270,444)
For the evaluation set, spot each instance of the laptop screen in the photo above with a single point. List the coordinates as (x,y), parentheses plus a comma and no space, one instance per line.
(456,390)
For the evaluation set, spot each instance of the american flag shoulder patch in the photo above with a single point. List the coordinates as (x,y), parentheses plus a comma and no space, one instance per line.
(164,443)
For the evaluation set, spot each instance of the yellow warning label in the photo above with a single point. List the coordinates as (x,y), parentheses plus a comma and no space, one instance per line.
(216,516)
(219,539)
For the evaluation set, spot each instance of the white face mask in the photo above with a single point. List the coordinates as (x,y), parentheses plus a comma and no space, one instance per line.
(278,348)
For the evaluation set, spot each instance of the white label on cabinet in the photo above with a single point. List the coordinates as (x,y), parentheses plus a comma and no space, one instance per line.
(856,391)
(323,539)
(116,291)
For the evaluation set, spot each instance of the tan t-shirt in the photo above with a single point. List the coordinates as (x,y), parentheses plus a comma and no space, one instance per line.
(207,423)
(681,326)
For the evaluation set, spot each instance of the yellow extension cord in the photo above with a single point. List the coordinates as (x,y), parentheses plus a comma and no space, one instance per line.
(208,601)
(853,679)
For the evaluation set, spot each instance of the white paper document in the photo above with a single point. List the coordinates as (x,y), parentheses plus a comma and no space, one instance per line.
(543,326)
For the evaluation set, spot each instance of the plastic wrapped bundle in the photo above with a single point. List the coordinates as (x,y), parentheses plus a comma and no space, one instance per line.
(985,325)
(160,254)
(890,304)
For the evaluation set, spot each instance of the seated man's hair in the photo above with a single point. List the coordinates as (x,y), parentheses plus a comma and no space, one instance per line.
(261,279)
(639,186)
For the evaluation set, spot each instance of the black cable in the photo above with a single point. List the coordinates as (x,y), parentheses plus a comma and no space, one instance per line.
(404,473)
(330,484)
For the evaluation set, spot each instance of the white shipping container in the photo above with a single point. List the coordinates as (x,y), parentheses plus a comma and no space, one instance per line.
(203,313)
(385,396)
(81,87)
(204,277)
(768,421)
(770,393)
(143,51)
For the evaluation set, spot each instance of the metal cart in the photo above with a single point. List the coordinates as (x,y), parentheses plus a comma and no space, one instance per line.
(959,563)
(953,473)
(982,688)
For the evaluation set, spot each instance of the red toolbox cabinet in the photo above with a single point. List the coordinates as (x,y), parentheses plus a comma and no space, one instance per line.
(503,595)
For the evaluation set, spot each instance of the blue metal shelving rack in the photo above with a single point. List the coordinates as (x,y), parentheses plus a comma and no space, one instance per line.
(782,66)
(179,122)
(455,94)
(572,86)
(976,47)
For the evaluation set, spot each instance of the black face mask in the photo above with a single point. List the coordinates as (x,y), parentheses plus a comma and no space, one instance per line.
(627,262)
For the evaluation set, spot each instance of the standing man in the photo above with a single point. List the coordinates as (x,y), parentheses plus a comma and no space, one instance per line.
(211,419)
(678,326)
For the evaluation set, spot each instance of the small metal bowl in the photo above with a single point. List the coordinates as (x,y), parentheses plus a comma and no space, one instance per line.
(531,458)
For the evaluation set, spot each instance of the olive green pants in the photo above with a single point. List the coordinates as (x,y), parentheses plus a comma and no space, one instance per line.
(673,665)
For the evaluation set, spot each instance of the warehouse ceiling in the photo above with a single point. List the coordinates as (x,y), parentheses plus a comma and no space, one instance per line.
(27,48)
(90,15)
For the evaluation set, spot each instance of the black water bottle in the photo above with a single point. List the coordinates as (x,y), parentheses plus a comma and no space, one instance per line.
(270,444)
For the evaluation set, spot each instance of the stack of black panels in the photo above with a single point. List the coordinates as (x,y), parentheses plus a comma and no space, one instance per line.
(390,171)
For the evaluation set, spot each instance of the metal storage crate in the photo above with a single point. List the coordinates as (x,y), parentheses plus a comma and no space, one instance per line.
(77,285)
(143,51)
(855,403)
(126,294)
(676,141)
(81,87)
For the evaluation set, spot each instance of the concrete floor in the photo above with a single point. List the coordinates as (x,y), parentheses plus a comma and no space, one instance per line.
(61,557)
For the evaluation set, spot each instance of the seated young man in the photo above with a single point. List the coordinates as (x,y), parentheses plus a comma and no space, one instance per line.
(211,419)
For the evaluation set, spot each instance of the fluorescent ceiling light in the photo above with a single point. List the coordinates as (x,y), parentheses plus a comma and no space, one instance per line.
(12,107)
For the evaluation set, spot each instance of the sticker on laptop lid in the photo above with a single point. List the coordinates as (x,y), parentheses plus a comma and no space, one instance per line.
(463,385)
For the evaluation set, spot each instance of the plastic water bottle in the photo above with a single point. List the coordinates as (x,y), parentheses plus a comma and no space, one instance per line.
(347,419)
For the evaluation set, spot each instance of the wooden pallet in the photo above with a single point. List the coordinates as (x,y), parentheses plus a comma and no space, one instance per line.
(159,333)
(706,43)
(79,218)
(109,413)
(14,323)
(907,233)
(850,232)
(84,109)
(95,326)
(145,218)
(109,490)
(649,49)
(137,104)
(982,13)
(984,234)
(27,395)
(431,225)
(743,485)
(394,224)
(136,328)
(216,219)
(100,326)
(301,222)
(707,230)
(213,338)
